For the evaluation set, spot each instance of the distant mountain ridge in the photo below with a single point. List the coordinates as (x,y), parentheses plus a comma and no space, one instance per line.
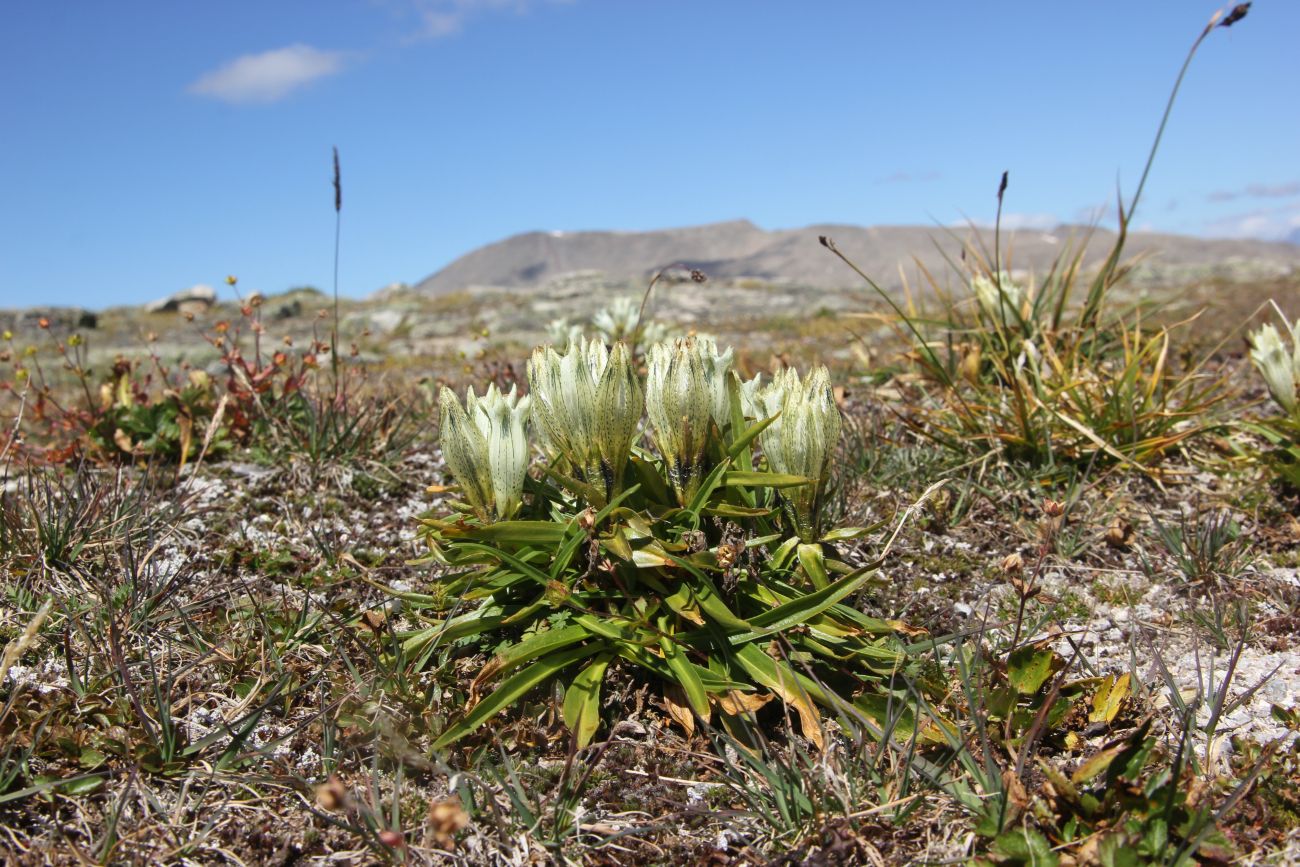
(739,249)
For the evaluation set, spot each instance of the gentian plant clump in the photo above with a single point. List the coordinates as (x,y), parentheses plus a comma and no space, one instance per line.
(701,564)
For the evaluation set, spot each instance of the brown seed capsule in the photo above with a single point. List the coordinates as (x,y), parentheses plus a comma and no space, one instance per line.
(446,817)
(1053,509)
(331,795)
(1013,564)
(373,620)
(1120,534)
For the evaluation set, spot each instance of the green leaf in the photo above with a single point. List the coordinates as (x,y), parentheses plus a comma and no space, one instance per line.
(517,533)
(781,556)
(650,479)
(1109,699)
(779,677)
(814,565)
(843,534)
(1099,762)
(1113,851)
(526,569)
(566,553)
(614,630)
(727,510)
(91,758)
(512,690)
(710,600)
(652,556)
(899,717)
(758,479)
(538,644)
(81,785)
(582,700)
(802,609)
(684,672)
(616,544)
(485,619)
(743,441)
(581,489)
(1026,845)
(1029,667)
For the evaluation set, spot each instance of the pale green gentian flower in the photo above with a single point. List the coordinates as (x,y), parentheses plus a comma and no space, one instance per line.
(485,444)
(1278,366)
(587,403)
(680,401)
(1006,306)
(802,439)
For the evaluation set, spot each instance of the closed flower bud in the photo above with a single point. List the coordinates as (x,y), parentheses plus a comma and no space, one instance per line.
(485,445)
(750,405)
(802,440)
(561,332)
(1277,366)
(587,404)
(619,404)
(1001,300)
(680,402)
(621,320)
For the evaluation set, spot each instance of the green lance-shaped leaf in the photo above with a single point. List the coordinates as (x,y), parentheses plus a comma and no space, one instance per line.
(814,564)
(801,610)
(582,700)
(536,645)
(683,671)
(517,533)
(512,690)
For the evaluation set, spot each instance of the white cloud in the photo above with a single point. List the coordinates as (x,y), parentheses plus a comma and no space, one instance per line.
(1257,191)
(1269,224)
(1013,222)
(439,18)
(269,76)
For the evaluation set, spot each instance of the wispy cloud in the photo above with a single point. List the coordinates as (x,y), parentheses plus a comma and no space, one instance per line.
(269,76)
(1257,191)
(1017,222)
(1269,224)
(1014,221)
(902,177)
(439,18)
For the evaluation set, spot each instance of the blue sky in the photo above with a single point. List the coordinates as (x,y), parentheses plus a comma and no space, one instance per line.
(149,146)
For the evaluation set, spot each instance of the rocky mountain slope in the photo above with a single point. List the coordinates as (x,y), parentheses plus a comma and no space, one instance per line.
(739,249)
